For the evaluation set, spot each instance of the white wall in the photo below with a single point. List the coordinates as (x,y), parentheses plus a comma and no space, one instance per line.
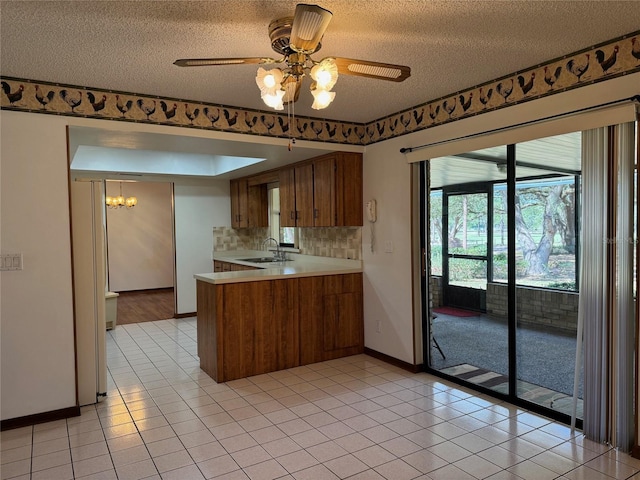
(140,239)
(197,209)
(388,311)
(36,305)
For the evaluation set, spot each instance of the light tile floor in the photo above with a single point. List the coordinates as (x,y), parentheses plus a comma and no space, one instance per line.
(356,418)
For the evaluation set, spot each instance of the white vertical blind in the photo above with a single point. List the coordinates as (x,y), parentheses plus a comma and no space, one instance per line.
(606,309)
(593,292)
(623,348)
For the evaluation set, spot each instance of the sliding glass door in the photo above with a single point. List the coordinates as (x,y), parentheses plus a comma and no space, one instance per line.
(547,208)
(466,343)
(503,227)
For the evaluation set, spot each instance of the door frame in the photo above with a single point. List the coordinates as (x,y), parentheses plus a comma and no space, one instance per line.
(451,292)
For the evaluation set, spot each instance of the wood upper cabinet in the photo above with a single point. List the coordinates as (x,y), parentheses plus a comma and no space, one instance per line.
(287,185)
(296,196)
(348,189)
(304,195)
(337,190)
(239,203)
(331,317)
(249,205)
(258,206)
(323,192)
(324,189)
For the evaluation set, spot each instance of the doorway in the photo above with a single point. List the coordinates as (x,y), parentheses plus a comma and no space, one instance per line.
(140,250)
(465,213)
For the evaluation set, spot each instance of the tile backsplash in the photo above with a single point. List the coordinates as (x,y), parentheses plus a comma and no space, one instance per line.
(334,242)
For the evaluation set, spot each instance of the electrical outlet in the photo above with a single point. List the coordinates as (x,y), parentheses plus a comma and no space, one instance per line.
(379,327)
(388,246)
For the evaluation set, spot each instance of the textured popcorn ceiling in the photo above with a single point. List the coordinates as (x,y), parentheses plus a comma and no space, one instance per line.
(449,45)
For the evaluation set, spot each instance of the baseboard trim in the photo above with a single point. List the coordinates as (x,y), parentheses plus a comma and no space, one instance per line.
(394,361)
(184,315)
(36,418)
(146,290)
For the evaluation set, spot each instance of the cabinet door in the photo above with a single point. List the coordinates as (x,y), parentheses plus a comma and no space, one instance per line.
(287,197)
(324,211)
(331,320)
(206,328)
(239,203)
(348,187)
(259,328)
(258,206)
(304,195)
(342,330)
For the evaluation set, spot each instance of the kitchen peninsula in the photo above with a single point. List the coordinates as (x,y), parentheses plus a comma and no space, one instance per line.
(257,317)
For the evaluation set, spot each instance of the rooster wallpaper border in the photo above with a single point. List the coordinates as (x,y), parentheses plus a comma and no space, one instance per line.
(610,59)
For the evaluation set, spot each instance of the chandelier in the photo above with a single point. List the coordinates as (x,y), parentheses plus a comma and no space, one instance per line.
(121,201)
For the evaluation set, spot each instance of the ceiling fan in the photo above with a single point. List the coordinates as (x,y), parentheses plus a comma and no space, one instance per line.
(296,39)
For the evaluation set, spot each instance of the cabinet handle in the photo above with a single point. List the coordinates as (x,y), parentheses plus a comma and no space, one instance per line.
(315,213)
(297,214)
(292,217)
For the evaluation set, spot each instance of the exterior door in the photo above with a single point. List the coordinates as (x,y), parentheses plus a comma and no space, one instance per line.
(466,262)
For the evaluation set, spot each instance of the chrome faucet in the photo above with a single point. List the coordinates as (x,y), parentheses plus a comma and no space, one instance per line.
(278,255)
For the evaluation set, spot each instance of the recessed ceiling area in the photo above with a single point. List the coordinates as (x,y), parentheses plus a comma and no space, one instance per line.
(105,153)
(120,160)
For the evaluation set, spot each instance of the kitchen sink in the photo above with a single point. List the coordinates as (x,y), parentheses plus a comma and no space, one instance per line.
(261,260)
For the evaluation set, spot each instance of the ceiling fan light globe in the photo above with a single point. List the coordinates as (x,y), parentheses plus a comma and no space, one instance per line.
(269,81)
(325,74)
(274,100)
(322,98)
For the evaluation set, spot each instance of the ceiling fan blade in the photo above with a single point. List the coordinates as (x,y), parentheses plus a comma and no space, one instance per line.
(200,62)
(365,68)
(309,24)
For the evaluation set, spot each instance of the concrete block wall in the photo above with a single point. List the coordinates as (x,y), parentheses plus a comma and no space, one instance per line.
(435,291)
(536,306)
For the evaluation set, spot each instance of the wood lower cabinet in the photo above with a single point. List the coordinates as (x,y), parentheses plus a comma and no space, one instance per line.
(331,318)
(247,328)
(250,328)
(220,266)
(258,328)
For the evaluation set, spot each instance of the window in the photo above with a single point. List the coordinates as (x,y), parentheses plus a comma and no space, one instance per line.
(287,236)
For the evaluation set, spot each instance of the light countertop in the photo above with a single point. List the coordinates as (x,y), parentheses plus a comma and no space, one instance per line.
(298,266)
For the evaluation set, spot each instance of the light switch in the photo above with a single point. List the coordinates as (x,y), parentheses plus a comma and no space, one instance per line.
(388,246)
(11,261)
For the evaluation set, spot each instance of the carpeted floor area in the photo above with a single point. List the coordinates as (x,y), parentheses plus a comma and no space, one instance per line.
(545,359)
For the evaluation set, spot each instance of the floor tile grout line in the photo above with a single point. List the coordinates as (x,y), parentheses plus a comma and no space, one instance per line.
(178,436)
(387,390)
